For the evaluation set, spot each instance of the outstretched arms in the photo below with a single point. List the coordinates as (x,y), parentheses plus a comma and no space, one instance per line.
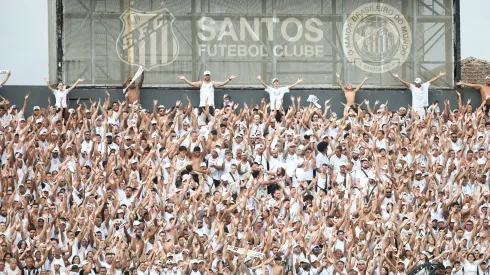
(6,78)
(437,77)
(74,85)
(474,86)
(223,83)
(142,78)
(339,82)
(360,85)
(401,80)
(196,84)
(295,83)
(49,85)
(261,81)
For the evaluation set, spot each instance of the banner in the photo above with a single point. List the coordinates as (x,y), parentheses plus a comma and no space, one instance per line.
(284,39)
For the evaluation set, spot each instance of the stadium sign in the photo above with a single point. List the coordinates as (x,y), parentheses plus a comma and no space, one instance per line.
(147,38)
(376,38)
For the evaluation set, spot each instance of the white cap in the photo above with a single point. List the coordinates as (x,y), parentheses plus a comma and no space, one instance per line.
(207,73)
(274,80)
(417,80)
(161,107)
(153,121)
(342,164)
(39,120)
(36,108)
(134,161)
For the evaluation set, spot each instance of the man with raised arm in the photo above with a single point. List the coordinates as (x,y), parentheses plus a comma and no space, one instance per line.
(420,92)
(277,93)
(206,93)
(133,92)
(484,91)
(6,78)
(350,95)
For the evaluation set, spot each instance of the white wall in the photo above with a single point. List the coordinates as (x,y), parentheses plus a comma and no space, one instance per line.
(475,21)
(24,41)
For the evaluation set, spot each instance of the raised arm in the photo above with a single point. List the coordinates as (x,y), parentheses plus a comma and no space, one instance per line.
(49,85)
(474,86)
(401,80)
(6,78)
(74,85)
(437,77)
(261,81)
(142,78)
(339,82)
(295,83)
(360,85)
(223,83)
(196,84)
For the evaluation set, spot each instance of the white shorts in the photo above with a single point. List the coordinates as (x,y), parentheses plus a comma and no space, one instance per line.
(420,111)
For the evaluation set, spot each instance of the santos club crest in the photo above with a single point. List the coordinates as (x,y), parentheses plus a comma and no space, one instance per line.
(147,38)
(376,38)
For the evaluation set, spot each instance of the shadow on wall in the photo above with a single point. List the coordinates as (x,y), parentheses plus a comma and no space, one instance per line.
(168,97)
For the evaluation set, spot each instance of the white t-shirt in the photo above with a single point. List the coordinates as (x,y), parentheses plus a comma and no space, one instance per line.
(276,95)
(207,92)
(420,96)
(58,95)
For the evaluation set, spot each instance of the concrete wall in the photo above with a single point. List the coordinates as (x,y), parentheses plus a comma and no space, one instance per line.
(396,98)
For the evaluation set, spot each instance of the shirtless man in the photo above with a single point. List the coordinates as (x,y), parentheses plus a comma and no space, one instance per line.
(484,91)
(133,92)
(350,95)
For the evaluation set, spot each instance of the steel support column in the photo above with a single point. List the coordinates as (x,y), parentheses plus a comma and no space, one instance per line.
(457,41)
(59,39)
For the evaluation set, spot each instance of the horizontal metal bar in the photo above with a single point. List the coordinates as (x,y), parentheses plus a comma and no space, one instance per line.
(251,87)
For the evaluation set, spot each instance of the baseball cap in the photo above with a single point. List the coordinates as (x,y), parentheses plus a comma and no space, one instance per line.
(36,108)
(274,80)
(207,73)
(417,80)
(487,77)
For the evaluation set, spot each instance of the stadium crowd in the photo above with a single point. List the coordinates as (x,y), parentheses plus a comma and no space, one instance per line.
(245,188)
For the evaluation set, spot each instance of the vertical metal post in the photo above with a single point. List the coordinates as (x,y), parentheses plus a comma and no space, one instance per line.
(334,40)
(457,42)
(122,65)
(59,40)
(193,37)
(415,61)
(92,40)
(263,67)
(448,42)
(345,74)
(203,53)
(405,13)
(274,40)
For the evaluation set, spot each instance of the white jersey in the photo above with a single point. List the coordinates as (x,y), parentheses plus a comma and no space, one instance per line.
(420,96)
(276,95)
(58,95)
(206,93)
